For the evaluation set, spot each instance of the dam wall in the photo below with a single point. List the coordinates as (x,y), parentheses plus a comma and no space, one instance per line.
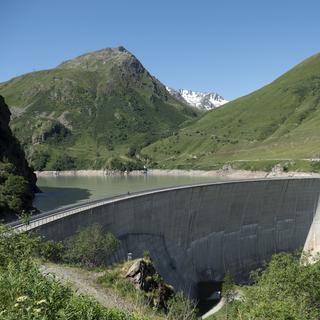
(198,233)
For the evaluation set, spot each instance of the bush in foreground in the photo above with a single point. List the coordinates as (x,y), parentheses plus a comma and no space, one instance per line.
(27,294)
(89,247)
(181,308)
(287,289)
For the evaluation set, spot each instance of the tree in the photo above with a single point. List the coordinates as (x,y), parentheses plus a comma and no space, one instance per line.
(40,160)
(228,291)
(16,193)
(25,217)
(132,151)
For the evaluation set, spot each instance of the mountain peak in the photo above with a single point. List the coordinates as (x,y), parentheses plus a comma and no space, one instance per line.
(200,100)
(98,59)
(122,49)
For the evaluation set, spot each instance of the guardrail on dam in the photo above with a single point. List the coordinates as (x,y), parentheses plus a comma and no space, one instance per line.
(197,233)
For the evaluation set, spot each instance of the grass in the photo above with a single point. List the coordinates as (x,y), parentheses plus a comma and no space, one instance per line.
(107,106)
(276,123)
(220,315)
(114,277)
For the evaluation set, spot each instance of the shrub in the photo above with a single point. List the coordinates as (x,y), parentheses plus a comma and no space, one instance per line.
(63,162)
(228,292)
(116,164)
(285,167)
(287,289)
(132,151)
(40,160)
(181,308)
(315,166)
(52,250)
(146,255)
(90,246)
(14,193)
(122,165)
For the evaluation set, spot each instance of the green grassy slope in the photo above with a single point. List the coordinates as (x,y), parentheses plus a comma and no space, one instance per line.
(90,110)
(277,123)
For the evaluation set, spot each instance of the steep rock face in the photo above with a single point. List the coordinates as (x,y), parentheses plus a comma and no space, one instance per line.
(17,180)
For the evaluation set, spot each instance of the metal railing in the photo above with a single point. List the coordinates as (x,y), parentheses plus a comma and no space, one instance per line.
(59,213)
(56,214)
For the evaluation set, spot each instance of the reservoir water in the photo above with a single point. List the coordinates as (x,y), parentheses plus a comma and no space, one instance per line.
(62,191)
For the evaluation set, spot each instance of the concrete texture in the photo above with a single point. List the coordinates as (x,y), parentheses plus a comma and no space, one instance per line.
(198,233)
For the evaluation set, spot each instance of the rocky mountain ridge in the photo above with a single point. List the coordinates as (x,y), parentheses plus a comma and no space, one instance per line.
(200,100)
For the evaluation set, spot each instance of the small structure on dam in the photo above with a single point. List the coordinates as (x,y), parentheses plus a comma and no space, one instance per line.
(198,233)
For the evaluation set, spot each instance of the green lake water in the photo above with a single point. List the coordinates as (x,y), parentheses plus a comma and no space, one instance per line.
(62,191)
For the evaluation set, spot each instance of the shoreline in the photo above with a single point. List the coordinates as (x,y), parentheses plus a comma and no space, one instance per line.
(227,173)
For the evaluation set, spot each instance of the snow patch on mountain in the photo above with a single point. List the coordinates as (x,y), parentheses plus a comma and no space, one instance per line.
(200,100)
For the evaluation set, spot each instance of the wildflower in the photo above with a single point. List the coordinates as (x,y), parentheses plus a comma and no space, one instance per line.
(22,298)
(41,301)
(37,310)
(16,305)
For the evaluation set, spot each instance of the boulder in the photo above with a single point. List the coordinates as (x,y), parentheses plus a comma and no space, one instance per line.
(144,276)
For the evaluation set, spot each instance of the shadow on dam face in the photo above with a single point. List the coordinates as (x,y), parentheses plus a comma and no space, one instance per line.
(198,233)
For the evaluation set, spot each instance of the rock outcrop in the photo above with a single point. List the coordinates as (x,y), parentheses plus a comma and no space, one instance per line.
(144,276)
(17,180)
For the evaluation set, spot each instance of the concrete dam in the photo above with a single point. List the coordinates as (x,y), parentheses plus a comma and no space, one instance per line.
(198,233)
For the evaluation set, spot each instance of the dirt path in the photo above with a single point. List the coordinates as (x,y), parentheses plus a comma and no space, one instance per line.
(238,296)
(215,309)
(85,282)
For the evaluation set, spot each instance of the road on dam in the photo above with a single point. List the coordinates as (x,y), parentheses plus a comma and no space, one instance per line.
(197,233)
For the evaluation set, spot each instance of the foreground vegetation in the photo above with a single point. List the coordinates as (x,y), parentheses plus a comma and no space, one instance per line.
(288,288)
(153,293)
(90,247)
(27,294)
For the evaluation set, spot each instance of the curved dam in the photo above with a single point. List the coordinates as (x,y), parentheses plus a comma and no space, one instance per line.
(198,233)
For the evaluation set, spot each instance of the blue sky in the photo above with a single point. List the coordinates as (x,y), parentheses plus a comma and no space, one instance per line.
(230,46)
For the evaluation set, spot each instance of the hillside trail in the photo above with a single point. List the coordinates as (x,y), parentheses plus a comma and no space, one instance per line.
(238,296)
(215,309)
(85,282)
